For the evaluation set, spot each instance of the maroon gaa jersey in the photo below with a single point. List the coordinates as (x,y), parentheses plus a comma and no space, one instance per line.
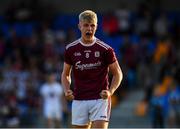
(90,67)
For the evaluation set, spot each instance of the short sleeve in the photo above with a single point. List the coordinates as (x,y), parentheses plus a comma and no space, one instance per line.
(67,57)
(110,56)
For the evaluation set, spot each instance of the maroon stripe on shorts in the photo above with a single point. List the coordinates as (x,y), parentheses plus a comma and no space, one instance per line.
(109,108)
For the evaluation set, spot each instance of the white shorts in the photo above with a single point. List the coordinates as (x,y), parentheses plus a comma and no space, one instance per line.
(53,112)
(85,111)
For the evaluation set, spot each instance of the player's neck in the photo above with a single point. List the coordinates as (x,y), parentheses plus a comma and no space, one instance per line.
(90,41)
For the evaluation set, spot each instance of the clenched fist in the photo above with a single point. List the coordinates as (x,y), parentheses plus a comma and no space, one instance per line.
(69,95)
(105,94)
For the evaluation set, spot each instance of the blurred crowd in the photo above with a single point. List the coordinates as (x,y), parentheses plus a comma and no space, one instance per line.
(32,42)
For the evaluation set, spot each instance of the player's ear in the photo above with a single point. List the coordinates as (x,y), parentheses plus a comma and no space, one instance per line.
(96,26)
(79,26)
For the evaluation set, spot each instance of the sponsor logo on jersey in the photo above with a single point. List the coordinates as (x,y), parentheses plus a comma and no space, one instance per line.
(80,66)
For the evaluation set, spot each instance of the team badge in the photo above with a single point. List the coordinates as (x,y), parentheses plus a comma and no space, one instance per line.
(97,54)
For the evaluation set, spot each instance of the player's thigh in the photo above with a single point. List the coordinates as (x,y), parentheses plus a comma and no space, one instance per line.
(100,124)
(80,113)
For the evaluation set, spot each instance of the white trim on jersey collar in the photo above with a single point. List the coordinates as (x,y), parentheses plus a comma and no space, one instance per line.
(89,44)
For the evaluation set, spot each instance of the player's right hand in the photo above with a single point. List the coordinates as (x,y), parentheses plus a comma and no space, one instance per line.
(105,94)
(69,95)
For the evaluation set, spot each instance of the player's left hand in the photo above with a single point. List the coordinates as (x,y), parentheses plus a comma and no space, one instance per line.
(105,94)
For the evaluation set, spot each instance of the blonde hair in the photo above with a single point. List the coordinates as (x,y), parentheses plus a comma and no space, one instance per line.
(88,15)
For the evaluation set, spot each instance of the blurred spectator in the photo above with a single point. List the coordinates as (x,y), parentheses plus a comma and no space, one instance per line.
(161,26)
(123,16)
(143,23)
(53,101)
(110,24)
(131,55)
(174,106)
(158,108)
(162,50)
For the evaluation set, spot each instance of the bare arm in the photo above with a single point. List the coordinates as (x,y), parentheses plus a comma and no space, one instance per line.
(116,71)
(66,81)
(117,76)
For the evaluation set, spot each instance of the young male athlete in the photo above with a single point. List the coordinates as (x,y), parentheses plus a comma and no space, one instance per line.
(90,60)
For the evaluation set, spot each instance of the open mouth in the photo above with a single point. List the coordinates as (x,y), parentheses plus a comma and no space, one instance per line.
(88,34)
